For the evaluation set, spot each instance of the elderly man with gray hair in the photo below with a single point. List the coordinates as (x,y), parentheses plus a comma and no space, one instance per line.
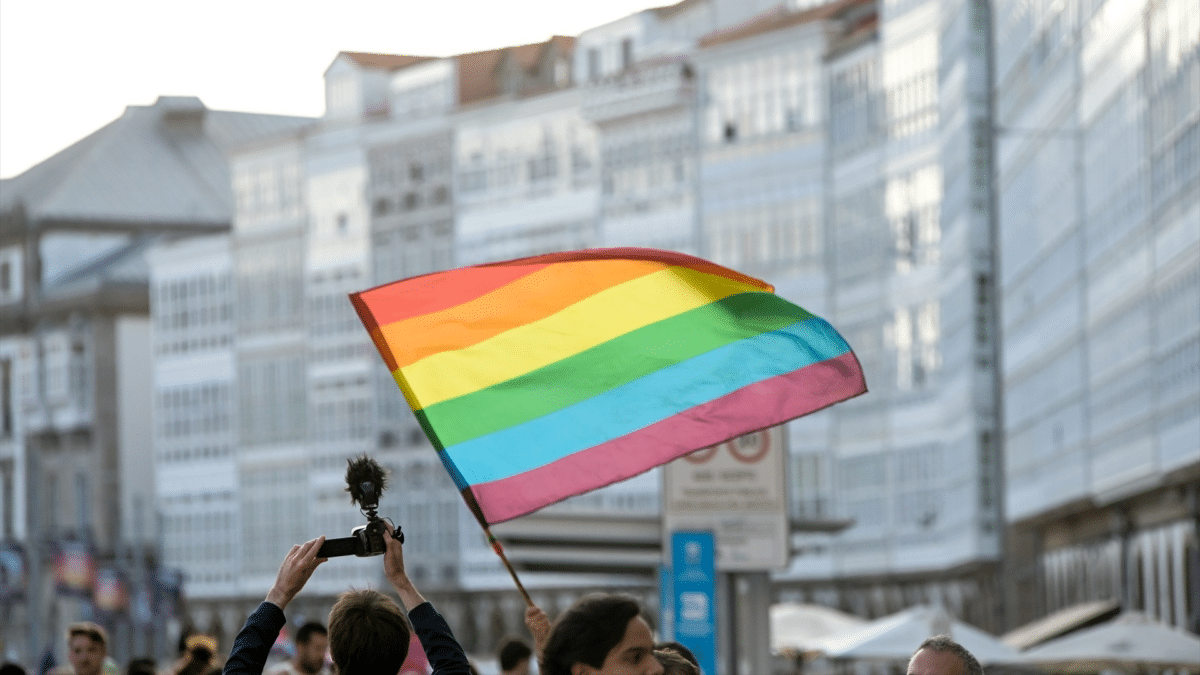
(939,655)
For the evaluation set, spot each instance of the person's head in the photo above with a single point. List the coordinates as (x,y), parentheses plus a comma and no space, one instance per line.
(199,650)
(679,649)
(10,668)
(514,656)
(601,634)
(939,655)
(312,641)
(87,645)
(367,634)
(675,663)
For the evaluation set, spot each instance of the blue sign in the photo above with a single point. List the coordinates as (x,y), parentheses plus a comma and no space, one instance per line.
(694,587)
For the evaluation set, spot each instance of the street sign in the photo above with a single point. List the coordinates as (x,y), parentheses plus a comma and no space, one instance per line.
(735,490)
(694,590)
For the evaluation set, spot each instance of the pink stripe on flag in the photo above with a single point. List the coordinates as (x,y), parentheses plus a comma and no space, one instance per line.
(757,406)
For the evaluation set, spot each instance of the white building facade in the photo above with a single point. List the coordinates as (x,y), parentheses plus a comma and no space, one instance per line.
(833,142)
(195,413)
(1099,176)
(528,178)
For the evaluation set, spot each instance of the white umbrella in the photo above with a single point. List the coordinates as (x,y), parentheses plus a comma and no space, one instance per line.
(896,637)
(1130,639)
(800,627)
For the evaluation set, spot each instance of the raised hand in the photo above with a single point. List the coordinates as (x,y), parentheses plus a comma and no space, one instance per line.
(393,569)
(539,626)
(295,571)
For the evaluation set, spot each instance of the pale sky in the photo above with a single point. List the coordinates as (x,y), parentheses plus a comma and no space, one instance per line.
(69,67)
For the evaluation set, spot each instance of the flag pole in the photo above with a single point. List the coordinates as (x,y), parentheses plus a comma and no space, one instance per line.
(495,544)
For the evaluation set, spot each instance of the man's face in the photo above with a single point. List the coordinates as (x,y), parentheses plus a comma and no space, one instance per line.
(310,656)
(86,655)
(932,662)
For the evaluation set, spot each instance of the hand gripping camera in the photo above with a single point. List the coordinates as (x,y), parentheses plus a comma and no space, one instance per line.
(365,481)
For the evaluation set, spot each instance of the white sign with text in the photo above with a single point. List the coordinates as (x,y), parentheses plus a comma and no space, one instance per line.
(735,490)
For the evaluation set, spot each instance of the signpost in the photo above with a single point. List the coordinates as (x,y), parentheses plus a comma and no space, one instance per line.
(736,491)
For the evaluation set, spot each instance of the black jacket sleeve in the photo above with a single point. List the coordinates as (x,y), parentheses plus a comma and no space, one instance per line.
(445,655)
(252,645)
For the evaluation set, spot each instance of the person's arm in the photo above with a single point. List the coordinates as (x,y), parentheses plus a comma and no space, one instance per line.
(253,643)
(442,651)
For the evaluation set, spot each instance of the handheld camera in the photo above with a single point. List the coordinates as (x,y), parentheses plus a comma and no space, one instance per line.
(365,481)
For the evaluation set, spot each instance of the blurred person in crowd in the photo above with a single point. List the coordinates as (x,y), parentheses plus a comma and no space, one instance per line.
(10,668)
(368,633)
(939,655)
(87,647)
(514,655)
(601,634)
(312,643)
(199,654)
(675,663)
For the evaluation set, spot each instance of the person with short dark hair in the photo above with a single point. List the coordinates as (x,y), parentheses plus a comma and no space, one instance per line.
(312,643)
(359,623)
(601,634)
(940,655)
(367,631)
(514,655)
(87,646)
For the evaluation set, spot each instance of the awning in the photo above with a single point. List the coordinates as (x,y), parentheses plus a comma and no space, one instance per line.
(1057,624)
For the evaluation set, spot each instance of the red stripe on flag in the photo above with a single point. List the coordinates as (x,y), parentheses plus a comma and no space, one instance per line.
(401,300)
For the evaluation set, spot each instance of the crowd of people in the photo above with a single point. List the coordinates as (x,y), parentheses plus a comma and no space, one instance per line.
(367,634)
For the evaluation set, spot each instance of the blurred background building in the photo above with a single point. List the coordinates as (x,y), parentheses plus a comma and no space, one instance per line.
(80,517)
(860,174)
(1098,139)
(995,202)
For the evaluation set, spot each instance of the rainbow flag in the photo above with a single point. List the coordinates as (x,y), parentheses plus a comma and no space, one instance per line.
(542,378)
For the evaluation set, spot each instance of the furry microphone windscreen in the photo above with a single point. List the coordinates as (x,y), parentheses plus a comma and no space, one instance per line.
(363,469)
